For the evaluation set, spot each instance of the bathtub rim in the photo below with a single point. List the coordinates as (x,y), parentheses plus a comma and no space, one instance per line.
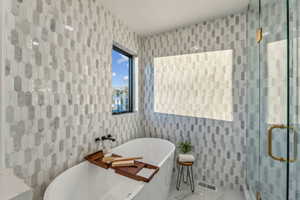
(84,162)
(172,150)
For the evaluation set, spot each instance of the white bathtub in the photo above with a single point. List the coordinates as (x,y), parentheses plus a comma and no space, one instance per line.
(89,182)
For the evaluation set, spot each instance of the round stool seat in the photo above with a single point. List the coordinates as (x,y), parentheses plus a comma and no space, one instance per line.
(185,163)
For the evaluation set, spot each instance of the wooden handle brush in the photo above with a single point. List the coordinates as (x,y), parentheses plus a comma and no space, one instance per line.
(117,159)
(127,159)
(128,163)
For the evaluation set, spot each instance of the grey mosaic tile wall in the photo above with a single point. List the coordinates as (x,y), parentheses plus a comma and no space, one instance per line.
(219,146)
(58,85)
(2,165)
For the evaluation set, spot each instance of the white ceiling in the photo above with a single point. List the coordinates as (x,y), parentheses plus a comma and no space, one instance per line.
(153,16)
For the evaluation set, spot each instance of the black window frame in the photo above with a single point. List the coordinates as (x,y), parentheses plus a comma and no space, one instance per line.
(130,79)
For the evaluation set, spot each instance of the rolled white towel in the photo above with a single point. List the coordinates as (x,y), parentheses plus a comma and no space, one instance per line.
(186,158)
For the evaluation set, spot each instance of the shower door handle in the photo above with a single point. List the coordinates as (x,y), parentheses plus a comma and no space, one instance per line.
(270,145)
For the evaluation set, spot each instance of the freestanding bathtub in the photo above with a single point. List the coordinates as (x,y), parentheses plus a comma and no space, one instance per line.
(86,181)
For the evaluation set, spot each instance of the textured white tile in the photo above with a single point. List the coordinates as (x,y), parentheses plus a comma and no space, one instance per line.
(218,133)
(58,85)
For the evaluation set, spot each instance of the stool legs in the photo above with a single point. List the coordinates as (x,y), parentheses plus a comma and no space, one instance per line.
(186,178)
(189,177)
(179,176)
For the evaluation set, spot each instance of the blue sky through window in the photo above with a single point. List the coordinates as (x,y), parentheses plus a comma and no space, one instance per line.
(120,82)
(120,69)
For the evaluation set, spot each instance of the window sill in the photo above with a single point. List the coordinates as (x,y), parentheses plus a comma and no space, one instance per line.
(124,113)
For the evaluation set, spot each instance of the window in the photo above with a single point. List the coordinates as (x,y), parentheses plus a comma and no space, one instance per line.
(122,81)
(195,85)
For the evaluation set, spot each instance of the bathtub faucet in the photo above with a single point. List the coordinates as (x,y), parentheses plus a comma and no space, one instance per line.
(108,137)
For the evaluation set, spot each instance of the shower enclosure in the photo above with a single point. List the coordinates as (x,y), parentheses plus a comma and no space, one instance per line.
(273,100)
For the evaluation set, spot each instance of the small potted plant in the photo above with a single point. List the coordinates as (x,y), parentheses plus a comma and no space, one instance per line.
(185,147)
(185,155)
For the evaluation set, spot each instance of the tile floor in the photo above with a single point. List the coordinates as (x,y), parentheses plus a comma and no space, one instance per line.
(202,193)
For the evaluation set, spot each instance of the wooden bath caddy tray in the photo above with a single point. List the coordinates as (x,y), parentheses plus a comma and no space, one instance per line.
(96,158)
(130,172)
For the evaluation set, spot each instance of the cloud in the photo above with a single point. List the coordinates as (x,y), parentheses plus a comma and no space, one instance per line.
(122,59)
(114,74)
(125,78)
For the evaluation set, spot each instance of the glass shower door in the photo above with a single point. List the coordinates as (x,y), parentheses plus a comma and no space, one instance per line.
(253,93)
(274,100)
(294,99)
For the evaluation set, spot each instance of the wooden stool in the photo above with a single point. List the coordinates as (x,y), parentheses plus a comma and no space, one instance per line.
(189,174)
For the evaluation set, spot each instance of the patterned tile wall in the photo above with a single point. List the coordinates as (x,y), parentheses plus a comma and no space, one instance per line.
(58,85)
(2,162)
(219,146)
